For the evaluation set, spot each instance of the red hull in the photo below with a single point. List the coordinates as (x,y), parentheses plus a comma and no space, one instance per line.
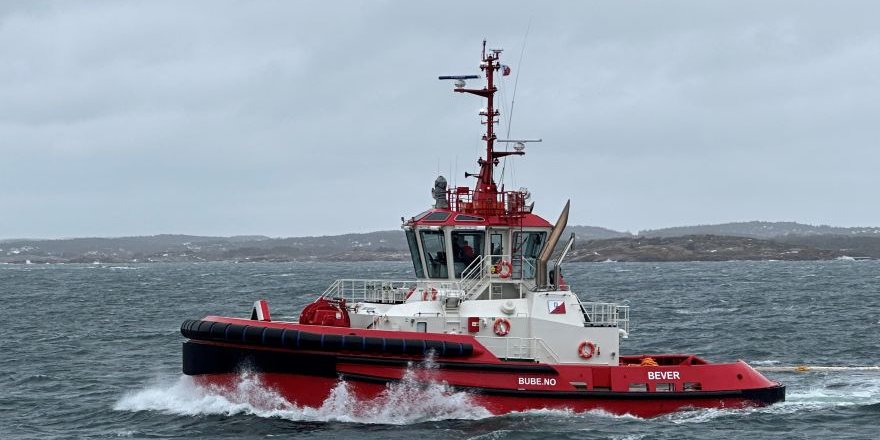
(307,362)
(309,391)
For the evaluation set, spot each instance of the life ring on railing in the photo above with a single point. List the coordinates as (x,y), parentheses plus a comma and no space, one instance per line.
(504,269)
(409,294)
(429,293)
(501,326)
(586,349)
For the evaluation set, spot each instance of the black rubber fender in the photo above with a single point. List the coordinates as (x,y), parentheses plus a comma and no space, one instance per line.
(258,335)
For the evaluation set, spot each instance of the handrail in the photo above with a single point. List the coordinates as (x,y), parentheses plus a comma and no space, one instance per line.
(379,291)
(506,204)
(472,274)
(598,314)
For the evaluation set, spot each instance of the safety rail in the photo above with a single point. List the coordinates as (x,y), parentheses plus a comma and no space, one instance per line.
(472,275)
(508,203)
(486,268)
(475,277)
(605,315)
(520,267)
(508,347)
(373,291)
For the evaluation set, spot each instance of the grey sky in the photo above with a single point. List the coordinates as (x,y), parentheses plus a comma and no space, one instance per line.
(295,118)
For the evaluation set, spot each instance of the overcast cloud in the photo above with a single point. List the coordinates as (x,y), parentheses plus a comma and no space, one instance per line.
(295,118)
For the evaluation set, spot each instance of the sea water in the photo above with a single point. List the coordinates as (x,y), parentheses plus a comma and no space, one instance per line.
(93,351)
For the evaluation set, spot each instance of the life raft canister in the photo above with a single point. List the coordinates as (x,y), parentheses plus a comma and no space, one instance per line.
(501,326)
(586,349)
(429,293)
(504,269)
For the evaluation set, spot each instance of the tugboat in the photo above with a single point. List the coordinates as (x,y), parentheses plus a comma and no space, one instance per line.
(487,313)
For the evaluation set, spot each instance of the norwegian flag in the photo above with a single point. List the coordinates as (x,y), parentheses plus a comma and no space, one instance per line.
(505,70)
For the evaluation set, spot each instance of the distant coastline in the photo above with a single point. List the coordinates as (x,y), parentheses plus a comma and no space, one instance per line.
(730,241)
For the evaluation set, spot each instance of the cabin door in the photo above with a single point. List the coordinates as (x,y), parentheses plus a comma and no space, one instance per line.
(498,245)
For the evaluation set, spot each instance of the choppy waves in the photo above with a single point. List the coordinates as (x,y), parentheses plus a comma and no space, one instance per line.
(404,402)
(86,337)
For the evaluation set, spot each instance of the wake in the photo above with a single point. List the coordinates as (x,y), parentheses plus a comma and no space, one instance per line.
(404,402)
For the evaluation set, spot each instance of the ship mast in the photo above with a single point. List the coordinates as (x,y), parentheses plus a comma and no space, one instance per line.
(485,199)
(486,189)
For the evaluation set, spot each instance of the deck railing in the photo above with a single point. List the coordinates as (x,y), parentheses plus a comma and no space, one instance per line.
(472,275)
(508,203)
(474,279)
(605,315)
(374,291)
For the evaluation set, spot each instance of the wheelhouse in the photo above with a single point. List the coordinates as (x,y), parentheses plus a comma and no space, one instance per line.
(443,243)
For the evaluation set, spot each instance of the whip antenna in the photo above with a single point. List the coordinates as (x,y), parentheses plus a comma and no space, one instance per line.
(513,98)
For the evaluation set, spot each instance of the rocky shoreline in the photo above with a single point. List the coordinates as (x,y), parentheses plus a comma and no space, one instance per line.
(390,246)
(698,248)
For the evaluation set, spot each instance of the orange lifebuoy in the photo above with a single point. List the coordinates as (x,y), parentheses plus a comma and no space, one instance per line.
(501,326)
(429,293)
(500,269)
(586,349)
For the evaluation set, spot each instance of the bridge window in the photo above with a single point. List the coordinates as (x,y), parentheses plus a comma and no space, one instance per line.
(434,246)
(437,217)
(414,253)
(468,218)
(467,246)
(526,248)
(496,241)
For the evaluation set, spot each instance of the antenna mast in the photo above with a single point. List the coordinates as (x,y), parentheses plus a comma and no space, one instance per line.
(486,189)
(485,199)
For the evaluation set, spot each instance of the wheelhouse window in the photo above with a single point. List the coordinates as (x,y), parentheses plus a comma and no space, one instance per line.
(468,218)
(467,246)
(434,246)
(496,243)
(414,253)
(437,217)
(527,247)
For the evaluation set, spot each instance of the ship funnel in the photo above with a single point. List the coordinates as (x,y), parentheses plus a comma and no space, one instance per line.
(544,257)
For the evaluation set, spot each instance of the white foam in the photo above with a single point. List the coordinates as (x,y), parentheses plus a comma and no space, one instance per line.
(707,311)
(764,362)
(567,413)
(858,393)
(405,402)
(413,401)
